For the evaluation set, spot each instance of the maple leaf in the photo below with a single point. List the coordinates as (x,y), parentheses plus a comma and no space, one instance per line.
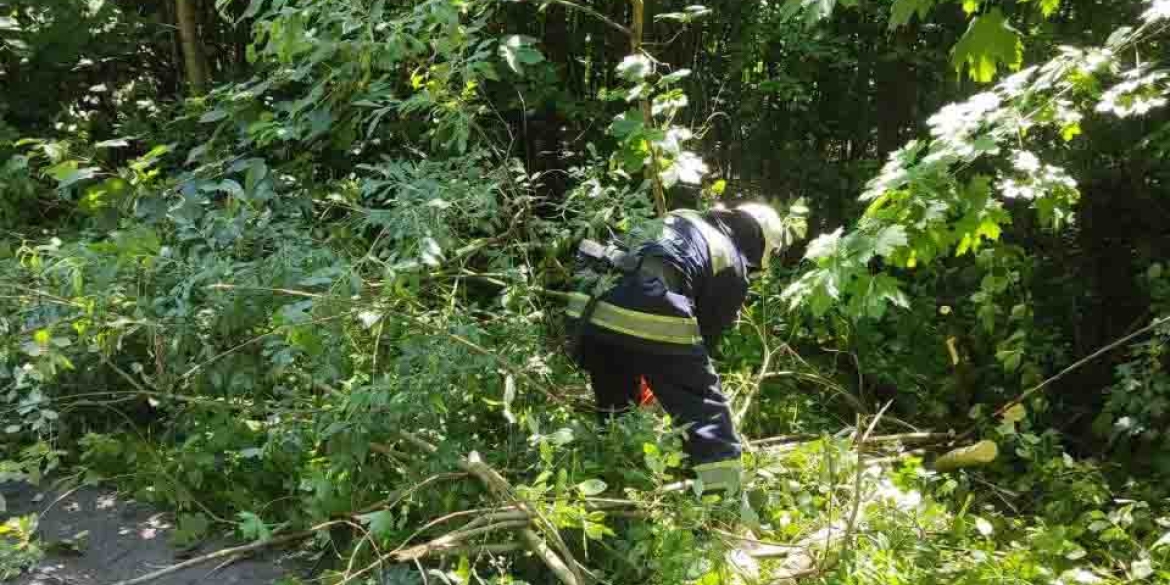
(903,10)
(990,41)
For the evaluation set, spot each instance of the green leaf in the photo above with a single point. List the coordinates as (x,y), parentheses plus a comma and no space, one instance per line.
(252,10)
(596,531)
(509,398)
(904,10)
(989,43)
(824,245)
(1010,359)
(253,528)
(688,168)
(115,143)
(719,187)
(591,487)
(1015,414)
(690,14)
(970,6)
(626,124)
(78,176)
(228,186)
(813,11)
(675,77)
(9,24)
(213,116)
(1141,569)
(890,239)
(517,51)
(257,171)
(1047,7)
(381,523)
(635,68)
(191,529)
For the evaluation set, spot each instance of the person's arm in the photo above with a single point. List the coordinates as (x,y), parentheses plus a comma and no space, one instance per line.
(718,309)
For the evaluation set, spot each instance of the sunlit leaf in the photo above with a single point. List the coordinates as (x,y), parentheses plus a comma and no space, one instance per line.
(115,143)
(824,245)
(509,398)
(253,528)
(518,51)
(675,77)
(989,43)
(635,68)
(890,239)
(904,10)
(1015,413)
(592,487)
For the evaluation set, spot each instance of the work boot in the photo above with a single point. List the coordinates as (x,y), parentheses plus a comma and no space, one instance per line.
(724,475)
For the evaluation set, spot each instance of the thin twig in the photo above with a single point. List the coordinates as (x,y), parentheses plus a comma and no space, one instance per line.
(853,514)
(1077,365)
(594,13)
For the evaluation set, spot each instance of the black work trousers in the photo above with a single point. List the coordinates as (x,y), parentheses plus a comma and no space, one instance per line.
(687,386)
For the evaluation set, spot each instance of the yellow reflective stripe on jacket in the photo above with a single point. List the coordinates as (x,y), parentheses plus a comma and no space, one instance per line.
(661,328)
(719,246)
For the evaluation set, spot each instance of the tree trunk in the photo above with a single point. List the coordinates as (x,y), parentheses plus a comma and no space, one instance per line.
(897,92)
(637,30)
(186,16)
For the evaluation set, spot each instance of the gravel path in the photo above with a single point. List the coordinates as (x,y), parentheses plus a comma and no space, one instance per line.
(126,540)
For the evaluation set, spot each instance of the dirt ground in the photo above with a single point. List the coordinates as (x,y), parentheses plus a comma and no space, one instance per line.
(126,540)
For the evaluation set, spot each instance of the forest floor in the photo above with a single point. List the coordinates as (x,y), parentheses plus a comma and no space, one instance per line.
(126,539)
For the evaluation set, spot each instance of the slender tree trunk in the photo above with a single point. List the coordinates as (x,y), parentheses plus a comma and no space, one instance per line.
(637,29)
(186,16)
(897,92)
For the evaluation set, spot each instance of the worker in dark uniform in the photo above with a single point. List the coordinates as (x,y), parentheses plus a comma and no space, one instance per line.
(661,317)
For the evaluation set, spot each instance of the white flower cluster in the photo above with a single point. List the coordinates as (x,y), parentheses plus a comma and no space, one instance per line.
(955,123)
(1158,10)
(1066,114)
(1139,93)
(1038,179)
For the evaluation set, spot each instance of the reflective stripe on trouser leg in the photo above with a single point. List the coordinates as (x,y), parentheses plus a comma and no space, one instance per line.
(720,475)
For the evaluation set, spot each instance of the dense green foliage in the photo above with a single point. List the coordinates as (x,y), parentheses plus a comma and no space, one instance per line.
(233,304)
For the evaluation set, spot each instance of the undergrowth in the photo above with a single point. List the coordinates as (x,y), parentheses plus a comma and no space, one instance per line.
(318,307)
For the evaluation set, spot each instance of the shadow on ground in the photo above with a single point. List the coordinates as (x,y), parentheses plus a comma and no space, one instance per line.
(126,540)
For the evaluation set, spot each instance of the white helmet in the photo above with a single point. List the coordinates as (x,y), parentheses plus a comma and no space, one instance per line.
(770,224)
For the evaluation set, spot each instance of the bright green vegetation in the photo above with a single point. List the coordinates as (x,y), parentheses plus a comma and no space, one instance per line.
(283,264)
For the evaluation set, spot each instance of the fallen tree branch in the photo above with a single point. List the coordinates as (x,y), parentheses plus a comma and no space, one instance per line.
(503,363)
(904,438)
(449,541)
(569,574)
(477,549)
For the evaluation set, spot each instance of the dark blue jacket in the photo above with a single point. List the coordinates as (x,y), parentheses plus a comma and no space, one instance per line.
(713,286)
